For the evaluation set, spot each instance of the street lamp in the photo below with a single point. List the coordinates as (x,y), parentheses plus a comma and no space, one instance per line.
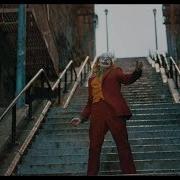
(106,12)
(154,12)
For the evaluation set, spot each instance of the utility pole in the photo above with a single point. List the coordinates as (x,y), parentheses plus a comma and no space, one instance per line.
(21,53)
(154,12)
(106,12)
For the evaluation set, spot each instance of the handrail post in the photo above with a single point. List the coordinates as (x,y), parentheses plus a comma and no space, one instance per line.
(71,74)
(13,128)
(42,80)
(171,69)
(78,80)
(163,62)
(74,72)
(29,103)
(86,71)
(168,68)
(176,78)
(81,78)
(65,83)
(59,92)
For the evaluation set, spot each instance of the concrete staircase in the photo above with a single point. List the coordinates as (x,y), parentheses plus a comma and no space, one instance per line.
(154,133)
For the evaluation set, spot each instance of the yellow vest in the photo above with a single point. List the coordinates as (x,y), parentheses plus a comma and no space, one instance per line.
(97,89)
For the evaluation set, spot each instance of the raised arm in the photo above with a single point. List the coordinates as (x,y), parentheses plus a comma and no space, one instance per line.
(129,78)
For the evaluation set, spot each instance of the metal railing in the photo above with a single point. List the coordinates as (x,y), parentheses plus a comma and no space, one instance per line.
(55,90)
(85,67)
(90,73)
(170,66)
(165,65)
(159,60)
(174,72)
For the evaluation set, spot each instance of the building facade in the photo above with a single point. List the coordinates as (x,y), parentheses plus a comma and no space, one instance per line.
(55,34)
(171,13)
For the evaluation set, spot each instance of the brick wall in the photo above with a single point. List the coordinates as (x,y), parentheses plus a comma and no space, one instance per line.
(171,14)
(71,33)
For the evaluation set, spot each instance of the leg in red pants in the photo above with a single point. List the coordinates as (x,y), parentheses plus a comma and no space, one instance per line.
(102,120)
(119,132)
(97,131)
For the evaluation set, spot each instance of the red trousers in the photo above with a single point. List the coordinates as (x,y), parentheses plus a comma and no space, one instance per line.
(102,120)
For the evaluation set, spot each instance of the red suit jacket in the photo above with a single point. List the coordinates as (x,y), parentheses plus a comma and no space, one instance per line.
(111,87)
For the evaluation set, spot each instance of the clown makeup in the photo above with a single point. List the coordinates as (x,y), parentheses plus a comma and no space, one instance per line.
(105,62)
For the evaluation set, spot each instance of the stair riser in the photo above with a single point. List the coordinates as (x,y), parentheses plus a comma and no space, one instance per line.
(129,123)
(104,157)
(136,134)
(60,150)
(85,140)
(132,102)
(68,117)
(134,111)
(133,106)
(67,130)
(140,165)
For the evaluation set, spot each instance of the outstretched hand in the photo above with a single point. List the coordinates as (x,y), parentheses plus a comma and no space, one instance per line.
(139,65)
(75,121)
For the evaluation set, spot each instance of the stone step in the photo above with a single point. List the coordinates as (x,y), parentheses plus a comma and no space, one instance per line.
(68,158)
(70,129)
(153,122)
(135,110)
(134,106)
(136,95)
(142,110)
(135,134)
(140,101)
(144,95)
(148,172)
(64,117)
(42,142)
(133,99)
(133,121)
(156,105)
(59,148)
(73,167)
(129,122)
(153,130)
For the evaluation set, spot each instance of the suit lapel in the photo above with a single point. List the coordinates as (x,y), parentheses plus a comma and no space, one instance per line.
(106,74)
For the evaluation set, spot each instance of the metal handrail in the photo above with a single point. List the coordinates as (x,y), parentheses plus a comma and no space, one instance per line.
(174,72)
(94,62)
(166,66)
(78,80)
(159,60)
(24,89)
(92,66)
(166,62)
(175,65)
(62,74)
(27,87)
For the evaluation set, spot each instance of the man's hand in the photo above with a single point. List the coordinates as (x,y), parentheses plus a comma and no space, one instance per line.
(75,121)
(138,66)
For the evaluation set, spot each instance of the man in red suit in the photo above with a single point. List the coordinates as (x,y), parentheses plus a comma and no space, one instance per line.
(107,110)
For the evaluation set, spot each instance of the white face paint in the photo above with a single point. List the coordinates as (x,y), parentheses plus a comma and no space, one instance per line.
(105,62)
